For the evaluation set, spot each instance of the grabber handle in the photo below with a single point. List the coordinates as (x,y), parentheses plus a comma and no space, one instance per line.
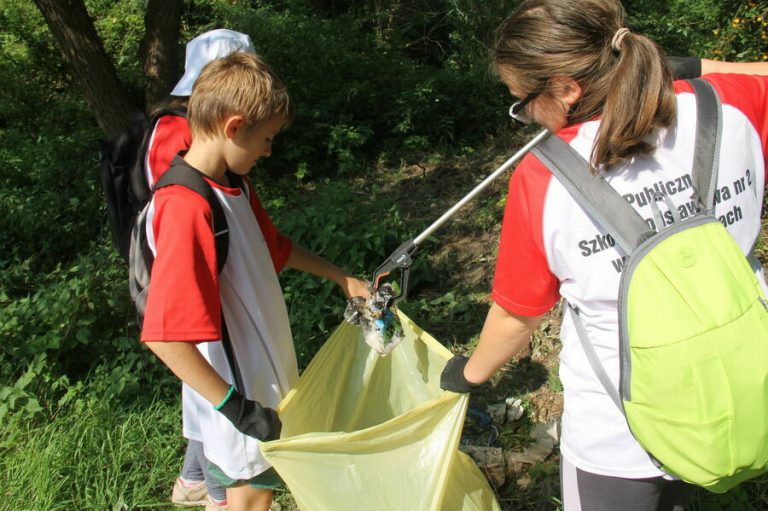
(399,259)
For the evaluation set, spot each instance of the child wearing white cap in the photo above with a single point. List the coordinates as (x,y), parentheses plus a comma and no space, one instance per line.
(171,133)
(206,47)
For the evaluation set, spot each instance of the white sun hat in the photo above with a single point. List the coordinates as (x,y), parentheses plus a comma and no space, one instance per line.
(211,45)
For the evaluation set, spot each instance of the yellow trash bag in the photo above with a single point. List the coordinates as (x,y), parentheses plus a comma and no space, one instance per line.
(363,432)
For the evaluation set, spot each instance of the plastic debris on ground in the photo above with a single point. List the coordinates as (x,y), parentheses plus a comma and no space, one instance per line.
(363,432)
(501,465)
(382,330)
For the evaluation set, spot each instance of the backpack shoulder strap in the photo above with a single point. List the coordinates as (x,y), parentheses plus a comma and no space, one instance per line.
(593,193)
(709,127)
(184,175)
(238,182)
(706,164)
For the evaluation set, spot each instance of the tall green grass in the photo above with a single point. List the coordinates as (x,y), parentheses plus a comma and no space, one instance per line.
(96,456)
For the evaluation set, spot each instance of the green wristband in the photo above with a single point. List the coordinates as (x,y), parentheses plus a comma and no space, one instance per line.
(219,406)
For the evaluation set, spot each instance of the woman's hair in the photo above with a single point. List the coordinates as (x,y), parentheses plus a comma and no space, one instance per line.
(238,84)
(624,79)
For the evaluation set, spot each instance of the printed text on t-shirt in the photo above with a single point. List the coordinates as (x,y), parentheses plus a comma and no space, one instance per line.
(641,200)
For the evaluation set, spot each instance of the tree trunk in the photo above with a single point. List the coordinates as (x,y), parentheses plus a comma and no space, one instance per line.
(160,49)
(91,67)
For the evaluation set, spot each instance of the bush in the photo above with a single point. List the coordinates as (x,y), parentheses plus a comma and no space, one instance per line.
(722,30)
(359,95)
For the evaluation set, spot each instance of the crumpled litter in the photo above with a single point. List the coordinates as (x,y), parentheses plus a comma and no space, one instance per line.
(382,331)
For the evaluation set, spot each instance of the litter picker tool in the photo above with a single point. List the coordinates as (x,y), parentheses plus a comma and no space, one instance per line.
(402,257)
(375,310)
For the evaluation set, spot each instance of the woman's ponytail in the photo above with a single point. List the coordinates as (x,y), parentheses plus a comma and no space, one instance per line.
(639,100)
(622,75)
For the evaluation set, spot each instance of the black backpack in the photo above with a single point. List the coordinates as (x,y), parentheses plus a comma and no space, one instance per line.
(127,194)
(122,174)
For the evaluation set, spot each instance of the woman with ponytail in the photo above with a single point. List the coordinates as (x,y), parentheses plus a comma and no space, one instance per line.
(575,68)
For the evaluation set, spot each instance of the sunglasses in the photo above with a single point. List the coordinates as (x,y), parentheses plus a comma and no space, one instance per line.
(516,110)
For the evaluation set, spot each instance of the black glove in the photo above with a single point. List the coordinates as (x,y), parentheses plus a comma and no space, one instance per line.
(452,377)
(250,418)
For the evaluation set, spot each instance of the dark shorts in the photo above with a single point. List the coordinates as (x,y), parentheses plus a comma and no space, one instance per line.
(267,480)
(584,491)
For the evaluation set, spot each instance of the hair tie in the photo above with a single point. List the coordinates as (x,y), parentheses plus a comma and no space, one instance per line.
(618,37)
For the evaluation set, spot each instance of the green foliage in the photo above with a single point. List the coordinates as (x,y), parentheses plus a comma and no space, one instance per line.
(121,27)
(358,95)
(17,398)
(65,313)
(50,193)
(749,496)
(345,225)
(28,56)
(76,322)
(747,36)
(722,30)
(454,316)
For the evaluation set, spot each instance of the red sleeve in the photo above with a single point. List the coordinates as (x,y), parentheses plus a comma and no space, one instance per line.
(183,303)
(747,93)
(279,245)
(171,135)
(523,283)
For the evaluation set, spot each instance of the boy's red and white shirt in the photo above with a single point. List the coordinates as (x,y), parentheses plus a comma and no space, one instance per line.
(551,248)
(186,297)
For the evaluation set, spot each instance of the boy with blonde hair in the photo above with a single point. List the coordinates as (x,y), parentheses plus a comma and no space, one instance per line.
(237,107)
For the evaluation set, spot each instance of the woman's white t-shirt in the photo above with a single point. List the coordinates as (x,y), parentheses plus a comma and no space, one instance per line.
(551,248)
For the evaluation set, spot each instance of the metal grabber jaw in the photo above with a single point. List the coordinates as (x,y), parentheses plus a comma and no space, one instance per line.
(383,296)
(381,329)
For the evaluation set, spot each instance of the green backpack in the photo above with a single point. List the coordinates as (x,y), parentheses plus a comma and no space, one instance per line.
(693,322)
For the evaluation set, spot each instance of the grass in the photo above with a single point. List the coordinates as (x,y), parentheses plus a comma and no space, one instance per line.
(96,456)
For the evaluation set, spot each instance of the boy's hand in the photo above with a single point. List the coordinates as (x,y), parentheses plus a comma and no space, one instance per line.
(250,418)
(452,377)
(355,287)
